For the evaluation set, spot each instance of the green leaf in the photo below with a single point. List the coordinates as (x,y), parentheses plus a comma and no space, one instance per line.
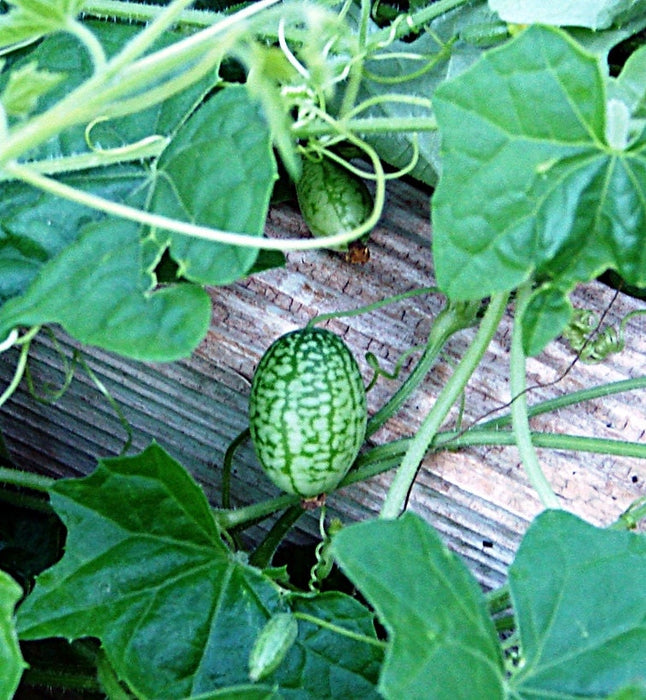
(28,20)
(219,170)
(546,315)
(442,641)
(630,692)
(527,191)
(631,83)
(97,291)
(594,14)
(145,571)
(44,241)
(581,617)
(11,661)
(325,664)
(25,87)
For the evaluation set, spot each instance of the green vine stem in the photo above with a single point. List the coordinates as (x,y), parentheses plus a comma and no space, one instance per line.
(62,679)
(262,555)
(388,456)
(21,365)
(575,397)
(555,441)
(136,12)
(149,147)
(385,457)
(519,417)
(251,514)
(455,317)
(405,476)
(16,477)
(632,516)
(108,679)
(227,465)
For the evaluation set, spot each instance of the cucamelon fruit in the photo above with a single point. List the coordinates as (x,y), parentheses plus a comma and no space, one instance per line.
(307,411)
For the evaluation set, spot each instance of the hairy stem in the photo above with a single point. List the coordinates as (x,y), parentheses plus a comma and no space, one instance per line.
(519,417)
(405,476)
(453,318)
(137,12)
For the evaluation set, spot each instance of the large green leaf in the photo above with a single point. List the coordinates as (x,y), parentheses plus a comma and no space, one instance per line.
(442,641)
(595,14)
(11,661)
(219,171)
(550,192)
(145,571)
(578,595)
(97,290)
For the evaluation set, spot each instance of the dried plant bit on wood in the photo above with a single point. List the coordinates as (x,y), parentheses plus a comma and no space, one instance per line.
(314,502)
(358,253)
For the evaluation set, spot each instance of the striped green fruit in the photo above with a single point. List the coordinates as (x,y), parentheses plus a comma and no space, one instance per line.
(307,411)
(332,200)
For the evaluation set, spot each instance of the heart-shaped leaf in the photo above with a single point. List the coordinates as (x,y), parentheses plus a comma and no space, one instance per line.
(145,571)
(577,593)
(442,640)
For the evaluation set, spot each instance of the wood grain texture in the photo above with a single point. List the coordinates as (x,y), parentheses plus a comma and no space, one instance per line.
(478,498)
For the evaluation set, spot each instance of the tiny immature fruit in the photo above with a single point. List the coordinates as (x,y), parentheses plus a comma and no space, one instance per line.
(272,644)
(307,411)
(332,200)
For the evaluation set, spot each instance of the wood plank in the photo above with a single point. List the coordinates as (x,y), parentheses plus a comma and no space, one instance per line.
(478,498)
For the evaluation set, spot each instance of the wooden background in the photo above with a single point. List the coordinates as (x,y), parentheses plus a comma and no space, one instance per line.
(478,499)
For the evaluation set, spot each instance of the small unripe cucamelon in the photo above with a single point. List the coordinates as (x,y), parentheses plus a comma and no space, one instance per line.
(272,644)
(332,200)
(307,411)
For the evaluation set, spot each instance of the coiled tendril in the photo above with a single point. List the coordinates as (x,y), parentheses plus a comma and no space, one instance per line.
(594,344)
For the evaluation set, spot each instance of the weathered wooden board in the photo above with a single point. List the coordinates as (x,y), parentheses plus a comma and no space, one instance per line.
(479,499)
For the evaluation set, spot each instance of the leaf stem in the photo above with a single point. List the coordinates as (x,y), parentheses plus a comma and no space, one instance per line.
(247,515)
(137,12)
(150,147)
(405,476)
(519,417)
(366,125)
(264,552)
(35,482)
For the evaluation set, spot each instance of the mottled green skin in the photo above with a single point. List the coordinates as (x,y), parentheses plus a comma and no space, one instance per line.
(331,199)
(307,411)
